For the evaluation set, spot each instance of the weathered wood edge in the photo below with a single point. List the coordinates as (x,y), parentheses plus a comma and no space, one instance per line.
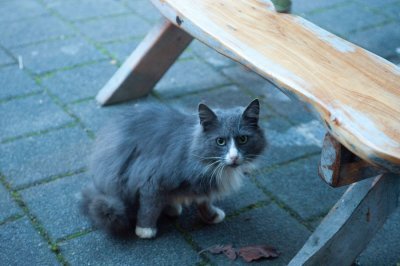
(146,65)
(314,104)
(339,167)
(352,222)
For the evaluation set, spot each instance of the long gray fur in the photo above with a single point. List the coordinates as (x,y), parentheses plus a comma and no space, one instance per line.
(147,158)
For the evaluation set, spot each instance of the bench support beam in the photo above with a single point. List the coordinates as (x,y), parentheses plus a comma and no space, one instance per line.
(146,65)
(351,223)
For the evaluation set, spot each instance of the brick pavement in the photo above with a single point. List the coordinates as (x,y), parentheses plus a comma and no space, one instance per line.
(55,55)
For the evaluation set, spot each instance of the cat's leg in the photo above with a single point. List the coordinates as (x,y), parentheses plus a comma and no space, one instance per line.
(209,213)
(173,210)
(149,211)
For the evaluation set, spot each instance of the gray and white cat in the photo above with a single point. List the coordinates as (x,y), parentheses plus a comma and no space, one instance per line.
(156,158)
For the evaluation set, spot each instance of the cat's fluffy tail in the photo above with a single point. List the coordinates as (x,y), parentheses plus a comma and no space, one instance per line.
(105,211)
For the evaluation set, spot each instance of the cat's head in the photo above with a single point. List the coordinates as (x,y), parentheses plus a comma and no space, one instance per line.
(229,138)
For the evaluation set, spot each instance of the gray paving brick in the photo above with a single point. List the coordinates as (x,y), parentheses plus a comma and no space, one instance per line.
(60,216)
(35,158)
(94,117)
(226,97)
(304,6)
(384,247)
(144,9)
(114,28)
(393,10)
(14,81)
(288,142)
(168,248)
(382,41)
(12,10)
(299,186)
(77,10)
(268,225)
(346,18)
(44,57)
(210,55)
(33,30)
(31,114)
(377,4)
(121,50)
(187,77)
(20,244)
(80,82)
(5,58)
(8,207)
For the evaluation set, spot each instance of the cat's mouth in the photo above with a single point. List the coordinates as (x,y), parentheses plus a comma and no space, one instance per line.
(234,165)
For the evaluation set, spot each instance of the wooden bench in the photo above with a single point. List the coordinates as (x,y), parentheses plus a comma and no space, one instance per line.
(355,93)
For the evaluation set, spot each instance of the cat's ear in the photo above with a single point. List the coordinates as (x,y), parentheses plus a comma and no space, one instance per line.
(207,117)
(251,114)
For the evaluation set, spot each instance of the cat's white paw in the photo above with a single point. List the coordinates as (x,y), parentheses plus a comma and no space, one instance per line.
(145,232)
(219,217)
(173,210)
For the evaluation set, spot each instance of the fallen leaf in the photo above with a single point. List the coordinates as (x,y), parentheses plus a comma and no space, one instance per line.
(227,250)
(257,252)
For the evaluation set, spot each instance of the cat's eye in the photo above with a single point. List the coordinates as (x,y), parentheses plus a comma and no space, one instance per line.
(242,139)
(221,141)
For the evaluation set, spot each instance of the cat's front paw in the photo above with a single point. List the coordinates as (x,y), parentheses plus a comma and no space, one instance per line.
(145,233)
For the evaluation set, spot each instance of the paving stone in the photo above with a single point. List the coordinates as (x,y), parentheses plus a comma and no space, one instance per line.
(187,77)
(168,248)
(32,30)
(20,244)
(226,97)
(44,57)
(288,142)
(31,114)
(304,6)
(393,10)
(12,10)
(80,82)
(378,4)
(5,58)
(8,207)
(114,28)
(14,82)
(121,50)
(384,247)
(77,10)
(145,9)
(210,55)
(346,18)
(35,158)
(268,225)
(382,41)
(60,216)
(94,116)
(298,185)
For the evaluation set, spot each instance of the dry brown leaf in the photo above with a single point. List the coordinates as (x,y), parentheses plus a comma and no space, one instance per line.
(227,250)
(257,252)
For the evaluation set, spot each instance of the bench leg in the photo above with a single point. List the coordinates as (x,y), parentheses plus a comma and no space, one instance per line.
(352,222)
(146,65)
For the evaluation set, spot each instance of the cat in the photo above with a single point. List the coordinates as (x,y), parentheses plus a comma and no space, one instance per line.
(155,158)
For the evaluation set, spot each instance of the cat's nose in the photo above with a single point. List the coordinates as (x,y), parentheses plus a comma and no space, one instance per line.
(234,158)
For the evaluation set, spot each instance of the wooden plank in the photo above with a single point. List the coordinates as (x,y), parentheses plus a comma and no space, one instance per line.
(355,92)
(351,223)
(339,167)
(146,65)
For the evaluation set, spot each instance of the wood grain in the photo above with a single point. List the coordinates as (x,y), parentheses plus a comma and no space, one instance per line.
(351,223)
(355,92)
(146,65)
